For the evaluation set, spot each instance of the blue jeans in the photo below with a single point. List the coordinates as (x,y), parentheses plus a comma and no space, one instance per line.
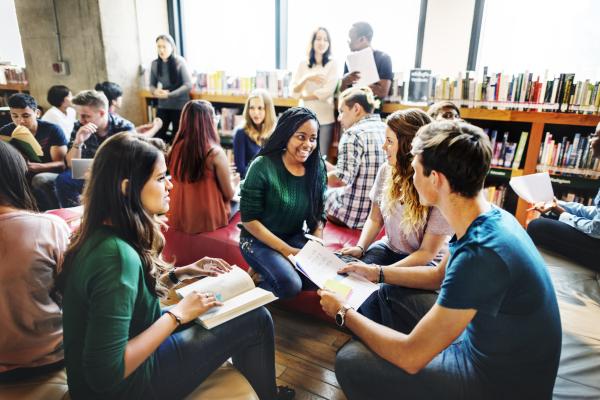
(279,276)
(380,253)
(42,187)
(68,189)
(363,374)
(188,356)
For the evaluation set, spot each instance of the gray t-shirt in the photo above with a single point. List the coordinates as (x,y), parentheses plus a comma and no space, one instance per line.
(395,237)
(179,94)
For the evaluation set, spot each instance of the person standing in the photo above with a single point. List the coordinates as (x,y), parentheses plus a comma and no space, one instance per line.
(171,83)
(315,82)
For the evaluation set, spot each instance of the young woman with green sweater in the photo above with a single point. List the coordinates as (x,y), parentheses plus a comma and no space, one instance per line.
(118,343)
(283,190)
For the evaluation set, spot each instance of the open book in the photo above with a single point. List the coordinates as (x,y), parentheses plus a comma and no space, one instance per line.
(320,265)
(237,292)
(24,141)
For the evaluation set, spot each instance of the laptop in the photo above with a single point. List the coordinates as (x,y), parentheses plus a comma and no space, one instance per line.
(79,167)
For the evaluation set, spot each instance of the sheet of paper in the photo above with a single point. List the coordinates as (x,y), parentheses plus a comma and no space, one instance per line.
(320,265)
(533,188)
(363,61)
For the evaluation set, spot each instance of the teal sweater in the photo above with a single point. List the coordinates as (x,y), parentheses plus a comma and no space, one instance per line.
(275,197)
(106,303)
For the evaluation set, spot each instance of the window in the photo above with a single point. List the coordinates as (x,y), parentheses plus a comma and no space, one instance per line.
(10,46)
(395,26)
(237,36)
(541,35)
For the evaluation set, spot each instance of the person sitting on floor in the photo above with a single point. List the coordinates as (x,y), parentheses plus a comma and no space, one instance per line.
(415,234)
(62,112)
(114,94)
(282,191)
(360,154)
(95,125)
(259,121)
(42,172)
(118,342)
(493,331)
(443,110)
(202,183)
(30,255)
(571,229)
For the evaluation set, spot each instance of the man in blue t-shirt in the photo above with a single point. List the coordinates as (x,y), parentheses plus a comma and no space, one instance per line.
(359,38)
(493,331)
(94,126)
(24,112)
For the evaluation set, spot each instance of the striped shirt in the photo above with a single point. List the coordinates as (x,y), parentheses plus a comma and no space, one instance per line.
(360,155)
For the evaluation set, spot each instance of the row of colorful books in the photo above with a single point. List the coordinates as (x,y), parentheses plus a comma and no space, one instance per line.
(495,194)
(524,91)
(230,119)
(277,83)
(12,74)
(568,152)
(507,154)
(585,199)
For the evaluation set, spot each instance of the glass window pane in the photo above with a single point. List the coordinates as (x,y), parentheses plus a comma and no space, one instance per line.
(237,36)
(540,35)
(395,25)
(10,45)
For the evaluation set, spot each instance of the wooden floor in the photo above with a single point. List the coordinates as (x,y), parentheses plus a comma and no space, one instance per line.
(305,354)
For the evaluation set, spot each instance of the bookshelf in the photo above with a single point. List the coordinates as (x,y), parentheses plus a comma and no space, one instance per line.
(535,121)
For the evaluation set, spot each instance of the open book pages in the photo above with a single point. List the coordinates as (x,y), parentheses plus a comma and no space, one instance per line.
(24,141)
(237,292)
(320,265)
(533,188)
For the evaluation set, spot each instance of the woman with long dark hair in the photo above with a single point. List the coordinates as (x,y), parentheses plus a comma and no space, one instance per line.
(315,81)
(283,190)
(30,256)
(415,234)
(118,343)
(202,181)
(171,83)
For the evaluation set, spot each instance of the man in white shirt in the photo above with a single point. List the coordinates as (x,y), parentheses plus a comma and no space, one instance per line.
(61,113)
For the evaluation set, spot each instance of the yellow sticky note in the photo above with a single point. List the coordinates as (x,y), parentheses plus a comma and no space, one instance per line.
(338,287)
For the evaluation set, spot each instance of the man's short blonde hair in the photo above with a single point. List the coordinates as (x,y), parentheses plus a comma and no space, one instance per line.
(91,98)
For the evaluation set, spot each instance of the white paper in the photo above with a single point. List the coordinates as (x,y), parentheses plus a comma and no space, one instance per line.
(363,61)
(533,188)
(319,264)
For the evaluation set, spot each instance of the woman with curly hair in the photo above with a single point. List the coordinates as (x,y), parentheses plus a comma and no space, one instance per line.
(415,234)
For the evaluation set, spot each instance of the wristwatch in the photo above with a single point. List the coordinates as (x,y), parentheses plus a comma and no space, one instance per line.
(172,277)
(340,316)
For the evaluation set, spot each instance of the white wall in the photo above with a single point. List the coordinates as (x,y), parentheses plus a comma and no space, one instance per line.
(10,45)
(447,36)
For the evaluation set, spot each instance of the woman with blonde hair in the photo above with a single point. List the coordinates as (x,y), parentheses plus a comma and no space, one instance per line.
(415,234)
(259,121)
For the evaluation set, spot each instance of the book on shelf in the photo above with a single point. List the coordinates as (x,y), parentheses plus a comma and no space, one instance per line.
(234,289)
(495,194)
(585,199)
(24,141)
(418,85)
(568,155)
(276,82)
(13,74)
(506,154)
(320,265)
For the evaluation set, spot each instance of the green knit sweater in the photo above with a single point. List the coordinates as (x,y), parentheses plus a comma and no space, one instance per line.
(275,197)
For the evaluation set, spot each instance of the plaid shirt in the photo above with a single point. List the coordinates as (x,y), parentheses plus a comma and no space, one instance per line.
(360,155)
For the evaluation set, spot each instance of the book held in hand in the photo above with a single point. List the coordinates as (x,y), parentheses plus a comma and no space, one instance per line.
(24,141)
(234,289)
(320,265)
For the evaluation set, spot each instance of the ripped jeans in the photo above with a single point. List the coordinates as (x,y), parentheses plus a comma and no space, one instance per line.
(279,276)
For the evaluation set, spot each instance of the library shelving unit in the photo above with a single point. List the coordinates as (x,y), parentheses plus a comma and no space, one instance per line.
(5,91)
(534,122)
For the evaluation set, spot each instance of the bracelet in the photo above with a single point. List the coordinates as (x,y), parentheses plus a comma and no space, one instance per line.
(381,277)
(78,146)
(172,277)
(362,249)
(175,317)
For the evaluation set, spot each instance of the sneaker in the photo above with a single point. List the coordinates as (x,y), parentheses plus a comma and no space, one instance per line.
(285,393)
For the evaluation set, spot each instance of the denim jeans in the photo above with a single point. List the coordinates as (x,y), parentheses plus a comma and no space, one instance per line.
(363,374)
(42,187)
(279,276)
(188,356)
(381,254)
(68,189)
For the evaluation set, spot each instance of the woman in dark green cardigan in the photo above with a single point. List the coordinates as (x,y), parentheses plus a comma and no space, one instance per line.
(283,190)
(118,343)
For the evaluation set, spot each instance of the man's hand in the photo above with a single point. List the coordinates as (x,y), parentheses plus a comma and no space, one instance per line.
(34,167)
(84,133)
(544,207)
(350,79)
(330,302)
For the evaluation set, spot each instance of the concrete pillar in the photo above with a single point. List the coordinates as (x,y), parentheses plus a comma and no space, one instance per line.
(101,40)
